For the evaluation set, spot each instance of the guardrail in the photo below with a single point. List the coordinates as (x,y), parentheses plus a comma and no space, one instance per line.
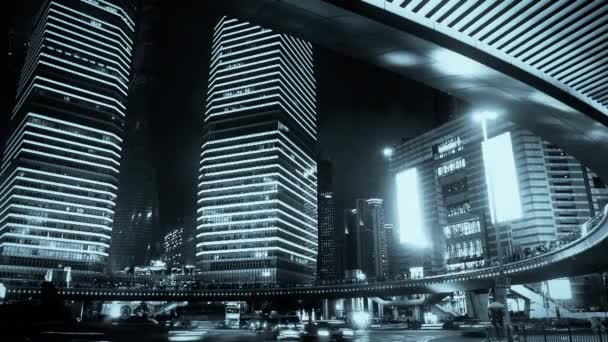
(187,284)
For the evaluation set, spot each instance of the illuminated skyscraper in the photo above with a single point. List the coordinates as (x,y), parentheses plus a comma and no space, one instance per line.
(59,175)
(257,193)
(328,258)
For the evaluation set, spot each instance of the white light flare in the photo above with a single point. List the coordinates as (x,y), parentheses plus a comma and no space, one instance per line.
(501,179)
(411,223)
(560,289)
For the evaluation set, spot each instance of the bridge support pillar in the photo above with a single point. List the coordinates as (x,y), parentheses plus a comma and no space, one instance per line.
(477,305)
(380,310)
(501,288)
(502,284)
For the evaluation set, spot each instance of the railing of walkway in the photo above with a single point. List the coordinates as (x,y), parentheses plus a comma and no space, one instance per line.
(542,333)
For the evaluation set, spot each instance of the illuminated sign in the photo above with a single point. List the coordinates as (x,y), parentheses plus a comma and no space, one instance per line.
(560,289)
(411,223)
(501,179)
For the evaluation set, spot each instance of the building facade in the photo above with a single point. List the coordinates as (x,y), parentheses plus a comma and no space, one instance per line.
(136,214)
(557,193)
(366,239)
(327,264)
(257,199)
(174,243)
(59,174)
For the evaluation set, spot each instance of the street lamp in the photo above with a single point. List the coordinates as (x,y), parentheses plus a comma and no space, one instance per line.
(483,118)
(388,152)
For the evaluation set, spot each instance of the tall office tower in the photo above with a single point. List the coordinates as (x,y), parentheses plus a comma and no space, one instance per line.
(391,245)
(444,168)
(257,198)
(174,246)
(136,214)
(59,174)
(327,263)
(577,194)
(371,220)
(352,241)
(366,238)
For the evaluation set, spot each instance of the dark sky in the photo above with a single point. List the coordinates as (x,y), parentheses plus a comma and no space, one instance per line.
(361,108)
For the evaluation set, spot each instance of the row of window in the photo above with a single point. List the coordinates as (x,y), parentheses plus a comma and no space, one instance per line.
(451,167)
(462,229)
(455,187)
(50,254)
(52,234)
(466,249)
(448,148)
(56,244)
(458,209)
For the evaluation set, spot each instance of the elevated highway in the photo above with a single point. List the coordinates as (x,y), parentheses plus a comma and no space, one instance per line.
(583,255)
(541,64)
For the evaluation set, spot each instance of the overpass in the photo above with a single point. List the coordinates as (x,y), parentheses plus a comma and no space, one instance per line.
(583,255)
(541,64)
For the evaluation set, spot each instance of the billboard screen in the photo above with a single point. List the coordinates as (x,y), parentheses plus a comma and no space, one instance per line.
(501,179)
(409,208)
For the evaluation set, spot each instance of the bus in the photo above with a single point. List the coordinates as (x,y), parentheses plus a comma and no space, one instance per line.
(233,315)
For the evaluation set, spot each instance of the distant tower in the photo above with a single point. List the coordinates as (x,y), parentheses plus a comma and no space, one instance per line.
(59,175)
(366,238)
(257,192)
(327,262)
(390,252)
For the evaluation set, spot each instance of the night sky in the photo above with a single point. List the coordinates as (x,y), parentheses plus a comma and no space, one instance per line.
(361,109)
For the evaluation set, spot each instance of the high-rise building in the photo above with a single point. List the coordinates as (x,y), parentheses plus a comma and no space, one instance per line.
(352,241)
(327,267)
(59,174)
(366,238)
(173,247)
(443,173)
(136,214)
(391,245)
(257,198)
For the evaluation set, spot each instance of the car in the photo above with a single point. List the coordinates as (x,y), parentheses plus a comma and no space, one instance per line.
(327,331)
(289,328)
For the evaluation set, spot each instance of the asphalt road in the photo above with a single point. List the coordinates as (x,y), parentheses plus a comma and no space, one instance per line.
(360,336)
(136,335)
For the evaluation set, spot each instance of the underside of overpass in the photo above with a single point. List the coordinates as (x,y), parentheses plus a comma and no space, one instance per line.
(566,106)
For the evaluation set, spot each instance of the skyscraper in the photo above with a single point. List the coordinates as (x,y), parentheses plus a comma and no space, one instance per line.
(257,198)
(391,245)
(174,246)
(327,263)
(59,175)
(136,215)
(366,238)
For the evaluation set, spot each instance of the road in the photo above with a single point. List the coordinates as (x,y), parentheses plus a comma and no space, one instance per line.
(360,336)
(243,335)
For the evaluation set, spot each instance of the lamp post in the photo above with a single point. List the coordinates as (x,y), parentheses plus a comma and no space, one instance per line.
(502,282)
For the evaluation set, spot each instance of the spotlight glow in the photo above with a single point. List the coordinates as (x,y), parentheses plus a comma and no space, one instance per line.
(387,152)
(411,225)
